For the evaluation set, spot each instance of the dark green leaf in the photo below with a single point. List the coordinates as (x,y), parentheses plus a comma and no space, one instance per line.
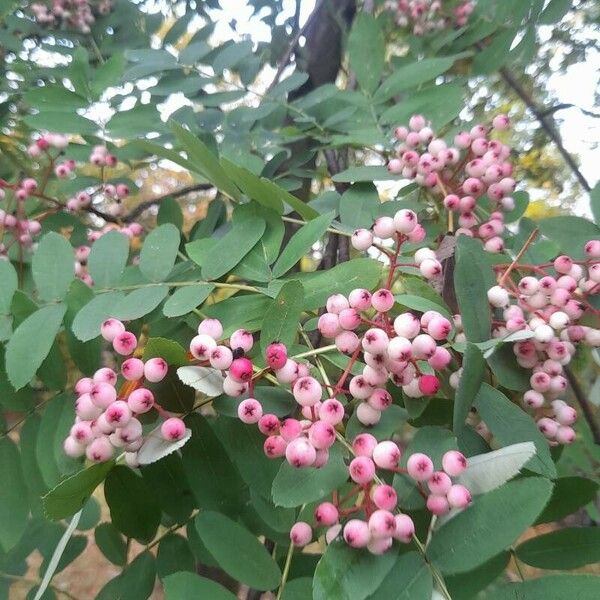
(111,543)
(409,579)
(174,555)
(366,50)
(180,586)
(108,258)
(359,205)
(468,386)
(140,302)
(553,587)
(87,322)
(364,173)
(560,230)
(569,494)
(14,508)
(283,316)
(185,299)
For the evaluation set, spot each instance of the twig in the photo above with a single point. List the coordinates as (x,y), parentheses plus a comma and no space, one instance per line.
(522,251)
(285,59)
(586,407)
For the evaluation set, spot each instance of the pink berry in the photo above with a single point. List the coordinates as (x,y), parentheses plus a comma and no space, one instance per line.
(111,328)
(118,413)
(202,345)
(321,435)
(454,463)
(155,369)
(241,339)
(268,424)
(423,346)
(362,469)
(438,505)
(419,467)
(386,454)
(382,524)
(367,415)
(73,448)
(84,385)
(382,300)
(459,496)
(100,450)
(384,497)
(429,384)
(86,409)
(405,221)
(291,429)
(221,358)
(140,400)
(307,391)
(300,453)
(82,432)
(360,299)
(439,483)
(347,342)
(274,446)
(348,319)
(105,375)
(565,435)
(300,534)
(405,528)
(249,410)
(329,324)
(566,415)
(326,514)
(125,343)
(384,228)
(103,394)
(407,325)
(172,429)
(276,355)
(356,533)
(241,370)
(132,369)
(364,444)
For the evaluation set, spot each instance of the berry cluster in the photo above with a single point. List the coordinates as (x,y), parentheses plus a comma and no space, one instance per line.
(106,417)
(549,302)
(460,175)
(75,14)
(425,16)
(377,501)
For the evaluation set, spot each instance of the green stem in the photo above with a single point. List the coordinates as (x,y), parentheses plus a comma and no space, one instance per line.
(315,351)
(286,571)
(227,286)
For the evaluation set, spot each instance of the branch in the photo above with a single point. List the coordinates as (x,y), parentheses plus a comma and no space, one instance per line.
(586,407)
(547,125)
(285,59)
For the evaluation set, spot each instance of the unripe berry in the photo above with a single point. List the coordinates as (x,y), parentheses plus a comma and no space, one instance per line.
(367,415)
(125,343)
(533,399)
(249,410)
(423,346)
(84,385)
(326,514)
(348,319)
(100,450)
(382,300)
(291,429)
(566,415)
(360,388)
(155,369)
(300,534)
(419,467)
(386,454)
(364,444)
(380,399)
(73,448)
(132,369)
(105,375)
(405,221)
(407,325)
(140,400)
(362,469)
(384,228)
(329,324)
(360,299)
(563,264)
(86,409)
(565,435)
(111,328)
(459,496)
(172,429)
(220,358)
(437,505)
(405,528)
(356,533)
(362,239)
(454,463)
(441,358)
(498,297)
(347,342)
(307,391)
(300,453)
(131,432)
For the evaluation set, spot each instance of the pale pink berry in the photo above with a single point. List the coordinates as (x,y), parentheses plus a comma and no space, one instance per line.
(249,410)
(362,469)
(501,122)
(430,268)
(233,388)
(533,399)
(111,328)
(140,400)
(380,399)
(405,528)
(348,319)
(276,355)
(84,385)
(359,387)
(221,358)
(384,497)
(329,324)
(367,415)
(241,370)
(326,514)
(362,239)
(458,496)
(73,448)
(382,300)
(439,327)
(441,358)
(382,524)
(291,429)
(384,228)
(274,446)
(375,341)
(563,264)
(300,453)
(356,533)
(132,369)
(395,166)
(331,411)
(336,303)
(498,297)
(454,463)
(86,409)
(565,435)
(105,375)
(322,458)
(81,432)
(103,394)
(364,444)
(268,424)
(321,435)
(287,373)
(437,505)
(125,343)
(155,369)
(241,339)
(423,346)
(360,299)
(300,534)
(405,221)
(172,429)
(407,325)
(386,454)
(439,483)
(429,385)
(202,345)
(566,415)
(307,391)
(347,342)
(100,450)
(592,248)
(419,467)
(417,122)
(118,413)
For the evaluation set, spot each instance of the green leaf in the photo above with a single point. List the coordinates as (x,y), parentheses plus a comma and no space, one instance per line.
(31,342)
(554,11)
(301,242)
(214,480)
(366,50)
(250,563)
(569,494)
(510,424)
(60,121)
(108,258)
(595,200)
(107,74)
(422,304)
(359,205)
(293,487)
(467,585)
(472,279)
(69,496)
(189,585)
(204,161)
(174,555)
(140,302)
(229,250)
(345,573)
(52,267)
(413,74)
(560,230)
(133,509)
(10,283)
(174,353)
(496,53)
(283,316)
(87,322)
(468,386)
(111,543)
(185,299)
(569,548)
(169,211)
(408,579)
(364,173)
(14,508)
(136,582)
(390,422)
(553,587)
(54,97)
(159,252)
(506,369)
(473,536)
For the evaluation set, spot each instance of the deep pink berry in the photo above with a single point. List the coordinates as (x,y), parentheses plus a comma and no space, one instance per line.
(300,534)
(172,429)
(268,424)
(140,400)
(241,370)
(384,497)
(276,355)
(429,384)
(103,394)
(458,496)
(362,469)
(274,446)
(326,514)
(364,444)
(125,343)
(132,369)
(419,466)
(454,463)
(356,533)
(438,505)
